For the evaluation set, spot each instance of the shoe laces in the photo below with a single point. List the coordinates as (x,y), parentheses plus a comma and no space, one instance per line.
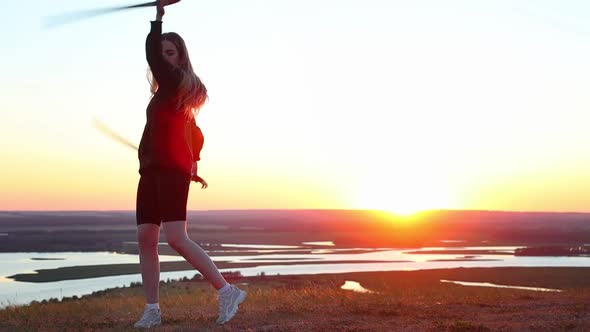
(147,313)
(224,299)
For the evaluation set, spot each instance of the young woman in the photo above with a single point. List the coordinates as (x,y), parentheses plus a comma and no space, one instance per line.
(168,156)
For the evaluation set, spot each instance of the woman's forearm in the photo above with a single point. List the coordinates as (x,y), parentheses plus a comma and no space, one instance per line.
(160,9)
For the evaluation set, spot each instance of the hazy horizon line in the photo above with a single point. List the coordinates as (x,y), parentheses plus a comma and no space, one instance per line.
(316,209)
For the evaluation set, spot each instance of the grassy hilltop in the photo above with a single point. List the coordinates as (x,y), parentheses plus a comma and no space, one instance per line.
(402,301)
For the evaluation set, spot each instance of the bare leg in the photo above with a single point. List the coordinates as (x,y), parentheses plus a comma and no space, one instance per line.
(178,239)
(148,236)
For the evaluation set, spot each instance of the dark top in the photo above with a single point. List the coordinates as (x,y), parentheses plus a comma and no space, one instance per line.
(168,140)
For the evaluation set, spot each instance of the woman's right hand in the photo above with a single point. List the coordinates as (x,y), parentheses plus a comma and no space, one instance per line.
(164,3)
(160,7)
(168,2)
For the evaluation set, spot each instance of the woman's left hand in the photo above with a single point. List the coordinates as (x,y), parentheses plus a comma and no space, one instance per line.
(199,179)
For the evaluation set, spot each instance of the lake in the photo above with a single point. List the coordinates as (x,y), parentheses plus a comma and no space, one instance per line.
(269,256)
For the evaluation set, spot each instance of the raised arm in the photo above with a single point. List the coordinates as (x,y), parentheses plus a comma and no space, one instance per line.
(165,73)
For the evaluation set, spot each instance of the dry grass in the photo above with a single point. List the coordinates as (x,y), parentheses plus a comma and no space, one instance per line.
(405,301)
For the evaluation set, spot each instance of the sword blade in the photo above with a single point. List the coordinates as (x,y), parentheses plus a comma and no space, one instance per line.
(61,19)
(110,133)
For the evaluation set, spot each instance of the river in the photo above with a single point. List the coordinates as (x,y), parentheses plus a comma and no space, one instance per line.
(21,293)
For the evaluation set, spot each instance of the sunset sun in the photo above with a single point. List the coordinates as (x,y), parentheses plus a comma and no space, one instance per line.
(392,201)
(402,195)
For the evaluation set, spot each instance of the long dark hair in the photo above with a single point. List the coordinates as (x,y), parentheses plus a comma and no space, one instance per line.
(192,93)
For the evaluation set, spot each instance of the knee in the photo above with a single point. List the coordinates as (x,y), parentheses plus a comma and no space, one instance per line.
(147,246)
(147,243)
(177,242)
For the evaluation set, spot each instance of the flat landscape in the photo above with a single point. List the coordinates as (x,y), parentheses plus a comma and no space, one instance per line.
(400,301)
(56,231)
(395,301)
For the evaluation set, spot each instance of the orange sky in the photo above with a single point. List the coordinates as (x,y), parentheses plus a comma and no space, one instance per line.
(370,105)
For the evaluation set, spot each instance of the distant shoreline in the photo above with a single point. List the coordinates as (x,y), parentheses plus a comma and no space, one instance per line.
(97,271)
(53,231)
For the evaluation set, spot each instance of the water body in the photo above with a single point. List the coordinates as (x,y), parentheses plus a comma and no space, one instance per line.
(320,243)
(487,284)
(263,246)
(355,287)
(13,292)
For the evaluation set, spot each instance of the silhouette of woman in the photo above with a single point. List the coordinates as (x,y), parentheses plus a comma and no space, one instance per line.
(168,154)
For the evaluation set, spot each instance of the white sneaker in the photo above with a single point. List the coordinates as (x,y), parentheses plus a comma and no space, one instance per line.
(228,303)
(150,318)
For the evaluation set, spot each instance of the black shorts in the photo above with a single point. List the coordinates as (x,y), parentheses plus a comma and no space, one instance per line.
(162,195)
